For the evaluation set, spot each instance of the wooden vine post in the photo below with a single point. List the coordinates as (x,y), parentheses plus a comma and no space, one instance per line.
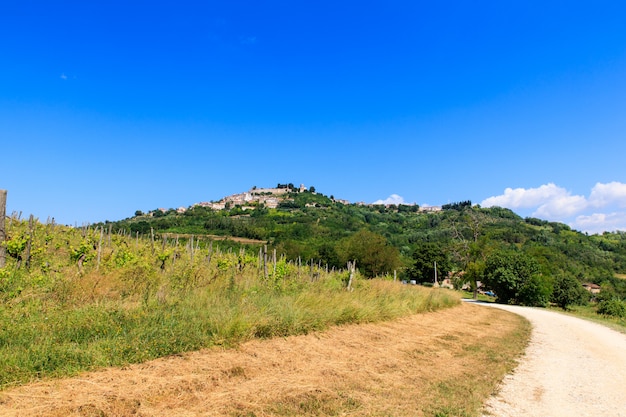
(100,247)
(29,244)
(265,272)
(352,269)
(3,212)
(274,260)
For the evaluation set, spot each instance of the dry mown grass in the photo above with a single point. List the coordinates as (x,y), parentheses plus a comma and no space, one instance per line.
(436,364)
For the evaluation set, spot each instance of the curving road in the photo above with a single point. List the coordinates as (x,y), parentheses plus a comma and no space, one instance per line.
(572,367)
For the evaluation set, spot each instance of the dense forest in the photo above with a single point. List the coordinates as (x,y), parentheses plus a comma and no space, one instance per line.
(524,260)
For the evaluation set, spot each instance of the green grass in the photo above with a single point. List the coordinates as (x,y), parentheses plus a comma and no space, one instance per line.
(42,339)
(481,297)
(89,299)
(588,312)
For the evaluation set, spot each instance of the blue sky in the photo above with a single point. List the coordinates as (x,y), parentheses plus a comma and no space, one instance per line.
(111,107)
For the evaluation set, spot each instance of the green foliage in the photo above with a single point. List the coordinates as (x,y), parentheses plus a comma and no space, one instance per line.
(84,251)
(457,206)
(313,226)
(514,277)
(568,291)
(373,254)
(612,307)
(424,259)
(123,256)
(535,291)
(16,245)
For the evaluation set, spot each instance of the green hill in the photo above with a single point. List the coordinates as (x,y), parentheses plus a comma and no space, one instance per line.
(383,239)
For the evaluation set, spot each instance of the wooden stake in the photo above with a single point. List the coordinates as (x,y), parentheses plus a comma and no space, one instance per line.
(3,235)
(299,266)
(100,247)
(31,227)
(274,259)
(265,261)
(352,268)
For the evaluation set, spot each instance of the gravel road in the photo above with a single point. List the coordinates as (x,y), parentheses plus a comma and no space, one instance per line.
(572,367)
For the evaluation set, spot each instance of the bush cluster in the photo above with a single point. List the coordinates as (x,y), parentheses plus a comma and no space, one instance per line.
(613,307)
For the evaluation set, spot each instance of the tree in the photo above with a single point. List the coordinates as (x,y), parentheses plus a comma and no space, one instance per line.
(328,254)
(373,254)
(568,291)
(535,291)
(457,205)
(514,277)
(425,257)
(473,274)
(142,227)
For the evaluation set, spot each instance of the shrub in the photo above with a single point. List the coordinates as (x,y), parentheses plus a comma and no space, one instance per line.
(515,278)
(568,291)
(614,307)
(535,291)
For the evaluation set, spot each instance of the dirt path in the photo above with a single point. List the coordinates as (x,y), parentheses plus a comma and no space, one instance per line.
(395,368)
(572,367)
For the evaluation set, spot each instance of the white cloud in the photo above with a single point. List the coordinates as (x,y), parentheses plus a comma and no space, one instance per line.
(63,77)
(561,206)
(522,197)
(600,222)
(603,195)
(555,203)
(392,199)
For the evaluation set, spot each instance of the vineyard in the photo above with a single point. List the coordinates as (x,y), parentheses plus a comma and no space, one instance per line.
(74,299)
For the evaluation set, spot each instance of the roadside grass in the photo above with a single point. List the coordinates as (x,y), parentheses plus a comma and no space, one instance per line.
(485,362)
(77,299)
(588,312)
(481,297)
(40,338)
(442,363)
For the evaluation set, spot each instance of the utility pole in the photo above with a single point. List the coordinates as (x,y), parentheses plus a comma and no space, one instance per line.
(3,235)
(436,283)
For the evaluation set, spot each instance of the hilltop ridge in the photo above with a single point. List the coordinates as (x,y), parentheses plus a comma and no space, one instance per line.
(273,197)
(269,197)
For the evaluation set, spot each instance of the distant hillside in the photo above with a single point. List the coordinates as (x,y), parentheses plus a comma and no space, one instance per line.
(304,224)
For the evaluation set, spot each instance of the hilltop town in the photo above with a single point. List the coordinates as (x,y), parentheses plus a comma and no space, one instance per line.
(269,197)
(272,197)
